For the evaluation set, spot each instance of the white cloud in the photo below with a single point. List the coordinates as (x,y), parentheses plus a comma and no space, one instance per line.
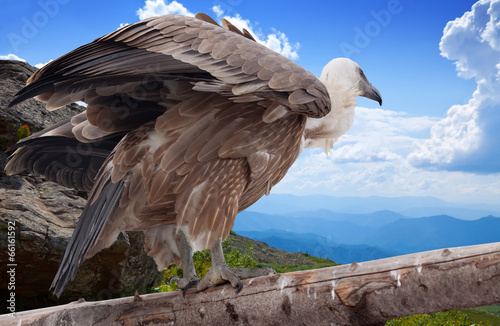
(468,138)
(381,135)
(159,7)
(371,158)
(15,57)
(218,11)
(11,57)
(372,152)
(40,65)
(276,41)
(314,173)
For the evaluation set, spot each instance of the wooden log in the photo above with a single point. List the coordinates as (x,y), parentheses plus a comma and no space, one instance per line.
(367,293)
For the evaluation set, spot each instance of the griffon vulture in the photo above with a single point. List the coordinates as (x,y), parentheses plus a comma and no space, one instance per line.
(187,124)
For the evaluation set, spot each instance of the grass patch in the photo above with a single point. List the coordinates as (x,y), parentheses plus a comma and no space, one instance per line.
(294,268)
(481,316)
(495,309)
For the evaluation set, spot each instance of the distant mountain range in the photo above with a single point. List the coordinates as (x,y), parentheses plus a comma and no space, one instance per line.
(410,206)
(318,246)
(345,237)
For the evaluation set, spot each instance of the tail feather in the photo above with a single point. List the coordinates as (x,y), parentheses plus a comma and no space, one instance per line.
(60,159)
(87,232)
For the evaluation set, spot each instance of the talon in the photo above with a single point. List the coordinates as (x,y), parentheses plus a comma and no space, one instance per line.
(190,284)
(173,278)
(240,286)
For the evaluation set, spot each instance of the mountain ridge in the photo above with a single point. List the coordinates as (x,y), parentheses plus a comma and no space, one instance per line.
(323,237)
(405,205)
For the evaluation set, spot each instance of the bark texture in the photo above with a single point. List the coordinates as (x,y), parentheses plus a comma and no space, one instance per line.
(368,293)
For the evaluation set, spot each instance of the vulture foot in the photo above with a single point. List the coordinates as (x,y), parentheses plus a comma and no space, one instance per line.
(184,283)
(220,273)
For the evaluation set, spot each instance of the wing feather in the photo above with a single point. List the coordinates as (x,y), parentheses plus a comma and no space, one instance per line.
(183,47)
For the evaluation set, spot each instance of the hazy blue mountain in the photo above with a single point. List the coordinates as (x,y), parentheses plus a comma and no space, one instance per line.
(414,235)
(457,212)
(325,233)
(337,231)
(285,203)
(318,246)
(371,219)
(411,206)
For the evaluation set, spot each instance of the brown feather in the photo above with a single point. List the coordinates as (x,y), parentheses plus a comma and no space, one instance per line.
(230,27)
(206,18)
(248,35)
(300,96)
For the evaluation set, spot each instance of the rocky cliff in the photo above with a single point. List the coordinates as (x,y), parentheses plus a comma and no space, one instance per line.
(45,214)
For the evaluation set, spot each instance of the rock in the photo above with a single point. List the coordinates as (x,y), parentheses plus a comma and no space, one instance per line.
(31,112)
(45,215)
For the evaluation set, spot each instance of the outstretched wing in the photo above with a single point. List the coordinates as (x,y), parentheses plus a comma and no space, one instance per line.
(135,74)
(154,63)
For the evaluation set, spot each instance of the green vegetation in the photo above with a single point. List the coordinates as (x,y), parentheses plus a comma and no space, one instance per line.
(22,132)
(481,316)
(449,318)
(489,315)
(317,263)
(4,143)
(495,309)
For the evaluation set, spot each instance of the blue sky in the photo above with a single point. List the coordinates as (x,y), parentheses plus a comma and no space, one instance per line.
(436,133)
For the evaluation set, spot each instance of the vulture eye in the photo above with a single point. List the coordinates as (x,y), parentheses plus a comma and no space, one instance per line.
(362,74)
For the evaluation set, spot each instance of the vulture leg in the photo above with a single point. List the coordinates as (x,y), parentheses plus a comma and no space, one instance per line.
(189,277)
(221,273)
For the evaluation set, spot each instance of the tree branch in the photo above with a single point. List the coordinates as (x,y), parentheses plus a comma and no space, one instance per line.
(368,293)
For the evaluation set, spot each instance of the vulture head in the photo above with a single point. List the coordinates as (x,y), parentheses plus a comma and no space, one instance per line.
(345,80)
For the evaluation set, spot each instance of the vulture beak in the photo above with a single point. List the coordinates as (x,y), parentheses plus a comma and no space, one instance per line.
(371,92)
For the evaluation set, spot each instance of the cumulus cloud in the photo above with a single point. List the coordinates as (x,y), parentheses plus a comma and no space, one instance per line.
(40,65)
(468,138)
(276,41)
(15,57)
(371,157)
(11,57)
(381,135)
(159,7)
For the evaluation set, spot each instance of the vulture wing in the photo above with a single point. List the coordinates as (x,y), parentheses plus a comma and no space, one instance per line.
(59,156)
(193,78)
(144,62)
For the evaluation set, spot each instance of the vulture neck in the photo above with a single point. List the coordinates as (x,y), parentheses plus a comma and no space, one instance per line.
(324,132)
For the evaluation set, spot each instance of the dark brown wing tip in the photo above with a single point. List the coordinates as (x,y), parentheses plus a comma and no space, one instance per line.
(206,18)
(226,24)
(248,35)
(230,27)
